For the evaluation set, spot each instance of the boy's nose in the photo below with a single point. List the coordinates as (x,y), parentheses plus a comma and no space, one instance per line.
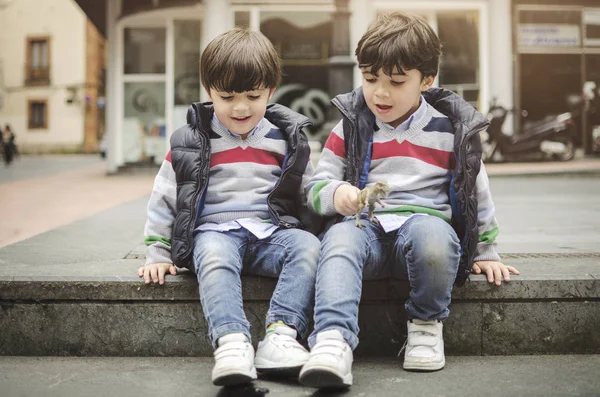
(240,106)
(381,93)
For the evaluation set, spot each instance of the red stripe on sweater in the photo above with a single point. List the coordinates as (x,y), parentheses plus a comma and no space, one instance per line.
(168,157)
(336,145)
(436,157)
(248,155)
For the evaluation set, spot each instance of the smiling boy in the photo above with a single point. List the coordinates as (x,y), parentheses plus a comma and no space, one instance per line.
(228,198)
(438,221)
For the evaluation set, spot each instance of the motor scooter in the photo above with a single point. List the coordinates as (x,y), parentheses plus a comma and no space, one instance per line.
(548,139)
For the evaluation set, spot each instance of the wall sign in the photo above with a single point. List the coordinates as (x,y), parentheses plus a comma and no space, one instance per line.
(549,35)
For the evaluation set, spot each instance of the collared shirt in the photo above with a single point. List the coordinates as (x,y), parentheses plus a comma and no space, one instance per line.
(258,228)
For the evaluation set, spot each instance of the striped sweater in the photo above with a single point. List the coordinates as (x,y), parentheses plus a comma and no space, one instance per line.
(415,160)
(242,174)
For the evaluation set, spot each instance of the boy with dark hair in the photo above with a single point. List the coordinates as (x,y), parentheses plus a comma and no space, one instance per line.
(228,199)
(438,217)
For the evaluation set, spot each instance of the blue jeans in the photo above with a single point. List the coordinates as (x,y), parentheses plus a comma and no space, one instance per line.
(425,249)
(221,257)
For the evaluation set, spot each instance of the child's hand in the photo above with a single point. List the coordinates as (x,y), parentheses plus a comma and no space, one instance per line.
(345,199)
(156,271)
(494,270)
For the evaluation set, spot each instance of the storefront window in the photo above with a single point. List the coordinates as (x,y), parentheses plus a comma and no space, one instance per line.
(187,62)
(547,83)
(459,69)
(144,122)
(145,50)
(303,42)
(591,20)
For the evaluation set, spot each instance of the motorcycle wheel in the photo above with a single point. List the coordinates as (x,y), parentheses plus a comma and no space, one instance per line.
(569,152)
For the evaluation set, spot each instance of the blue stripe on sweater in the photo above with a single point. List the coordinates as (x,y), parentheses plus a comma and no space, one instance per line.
(439,124)
(275,133)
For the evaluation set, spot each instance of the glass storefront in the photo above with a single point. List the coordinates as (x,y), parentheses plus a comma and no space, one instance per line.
(186,79)
(143,124)
(459,68)
(302,40)
(558,55)
(145,50)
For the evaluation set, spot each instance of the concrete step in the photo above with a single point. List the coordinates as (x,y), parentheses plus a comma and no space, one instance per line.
(74,291)
(103,309)
(498,376)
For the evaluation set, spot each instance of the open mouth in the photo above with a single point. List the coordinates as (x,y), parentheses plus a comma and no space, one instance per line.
(241,119)
(382,109)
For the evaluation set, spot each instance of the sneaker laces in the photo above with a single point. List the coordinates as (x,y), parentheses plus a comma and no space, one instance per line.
(420,330)
(329,347)
(286,341)
(231,349)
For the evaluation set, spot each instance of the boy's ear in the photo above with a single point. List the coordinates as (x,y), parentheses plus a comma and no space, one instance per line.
(427,82)
(271,91)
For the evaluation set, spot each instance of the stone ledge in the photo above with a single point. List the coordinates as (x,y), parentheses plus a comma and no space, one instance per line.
(540,279)
(104,309)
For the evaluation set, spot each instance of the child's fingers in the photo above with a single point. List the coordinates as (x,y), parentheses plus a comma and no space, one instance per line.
(512,270)
(506,273)
(154,274)
(476,269)
(498,275)
(490,274)
(147,275)
(161,275)
(173,270)
(141,271)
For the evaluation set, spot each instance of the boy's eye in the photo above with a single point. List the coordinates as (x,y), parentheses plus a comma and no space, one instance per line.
(254,97)
(226,97)
(370,79)
(397,82)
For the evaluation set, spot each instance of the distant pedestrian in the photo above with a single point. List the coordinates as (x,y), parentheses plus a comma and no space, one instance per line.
(1,143)
(9,147)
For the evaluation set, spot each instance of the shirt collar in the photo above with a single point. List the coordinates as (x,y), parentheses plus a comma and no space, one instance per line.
(405,125)
(222,130)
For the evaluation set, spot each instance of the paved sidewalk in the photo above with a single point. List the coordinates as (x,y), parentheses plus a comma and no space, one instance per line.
(40,193)
(65,190)
(515,376)
(582,165)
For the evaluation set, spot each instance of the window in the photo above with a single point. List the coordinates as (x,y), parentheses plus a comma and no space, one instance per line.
(37,69)
(145,50)
(38,114)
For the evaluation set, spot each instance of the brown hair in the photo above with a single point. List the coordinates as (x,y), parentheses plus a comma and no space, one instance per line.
(240,60)
(399,40)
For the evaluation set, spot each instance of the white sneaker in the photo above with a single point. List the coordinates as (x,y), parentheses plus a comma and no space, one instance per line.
(424,346)
(280,353)
(234,361)
(330,362)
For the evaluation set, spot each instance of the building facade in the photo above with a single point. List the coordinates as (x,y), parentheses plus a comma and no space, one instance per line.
(557,54)
(154,49)
(51,76)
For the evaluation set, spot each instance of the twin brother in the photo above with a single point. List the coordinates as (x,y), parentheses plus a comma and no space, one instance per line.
(237,193)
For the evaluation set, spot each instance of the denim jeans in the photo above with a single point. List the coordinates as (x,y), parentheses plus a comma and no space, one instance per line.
(221,257)
(425,249)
